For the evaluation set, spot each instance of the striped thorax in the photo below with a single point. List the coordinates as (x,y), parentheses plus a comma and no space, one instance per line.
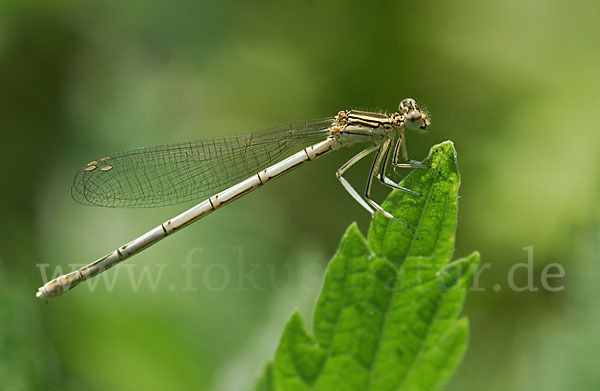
(356,125)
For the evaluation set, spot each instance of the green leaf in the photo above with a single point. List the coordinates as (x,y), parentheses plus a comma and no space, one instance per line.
(387,317)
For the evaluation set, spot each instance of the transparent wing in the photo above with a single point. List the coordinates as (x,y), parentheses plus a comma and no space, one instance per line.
(174,173)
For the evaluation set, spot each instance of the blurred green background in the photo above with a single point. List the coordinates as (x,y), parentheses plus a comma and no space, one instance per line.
(514,84)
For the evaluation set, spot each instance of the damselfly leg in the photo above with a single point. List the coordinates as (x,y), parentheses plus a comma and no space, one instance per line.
(340,172)
(401,147)
(390,183)
(379,164)
(379,158)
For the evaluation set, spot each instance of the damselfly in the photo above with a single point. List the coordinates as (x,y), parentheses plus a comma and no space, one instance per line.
(174,173)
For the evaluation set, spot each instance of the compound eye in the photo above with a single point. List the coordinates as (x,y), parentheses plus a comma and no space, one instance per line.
(407,104)
(414,120)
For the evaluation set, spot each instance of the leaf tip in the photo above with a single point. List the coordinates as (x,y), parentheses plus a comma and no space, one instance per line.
(463,323)
(353,228)
(354,239)
(296,318)
(443,159)
(461,328)
(445,148)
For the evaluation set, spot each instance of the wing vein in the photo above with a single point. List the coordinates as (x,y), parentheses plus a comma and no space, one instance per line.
(174,173)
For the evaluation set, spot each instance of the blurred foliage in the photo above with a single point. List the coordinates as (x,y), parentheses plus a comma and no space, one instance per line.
(514,84)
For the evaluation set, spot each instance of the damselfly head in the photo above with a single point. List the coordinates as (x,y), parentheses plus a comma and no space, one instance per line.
(414,117)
